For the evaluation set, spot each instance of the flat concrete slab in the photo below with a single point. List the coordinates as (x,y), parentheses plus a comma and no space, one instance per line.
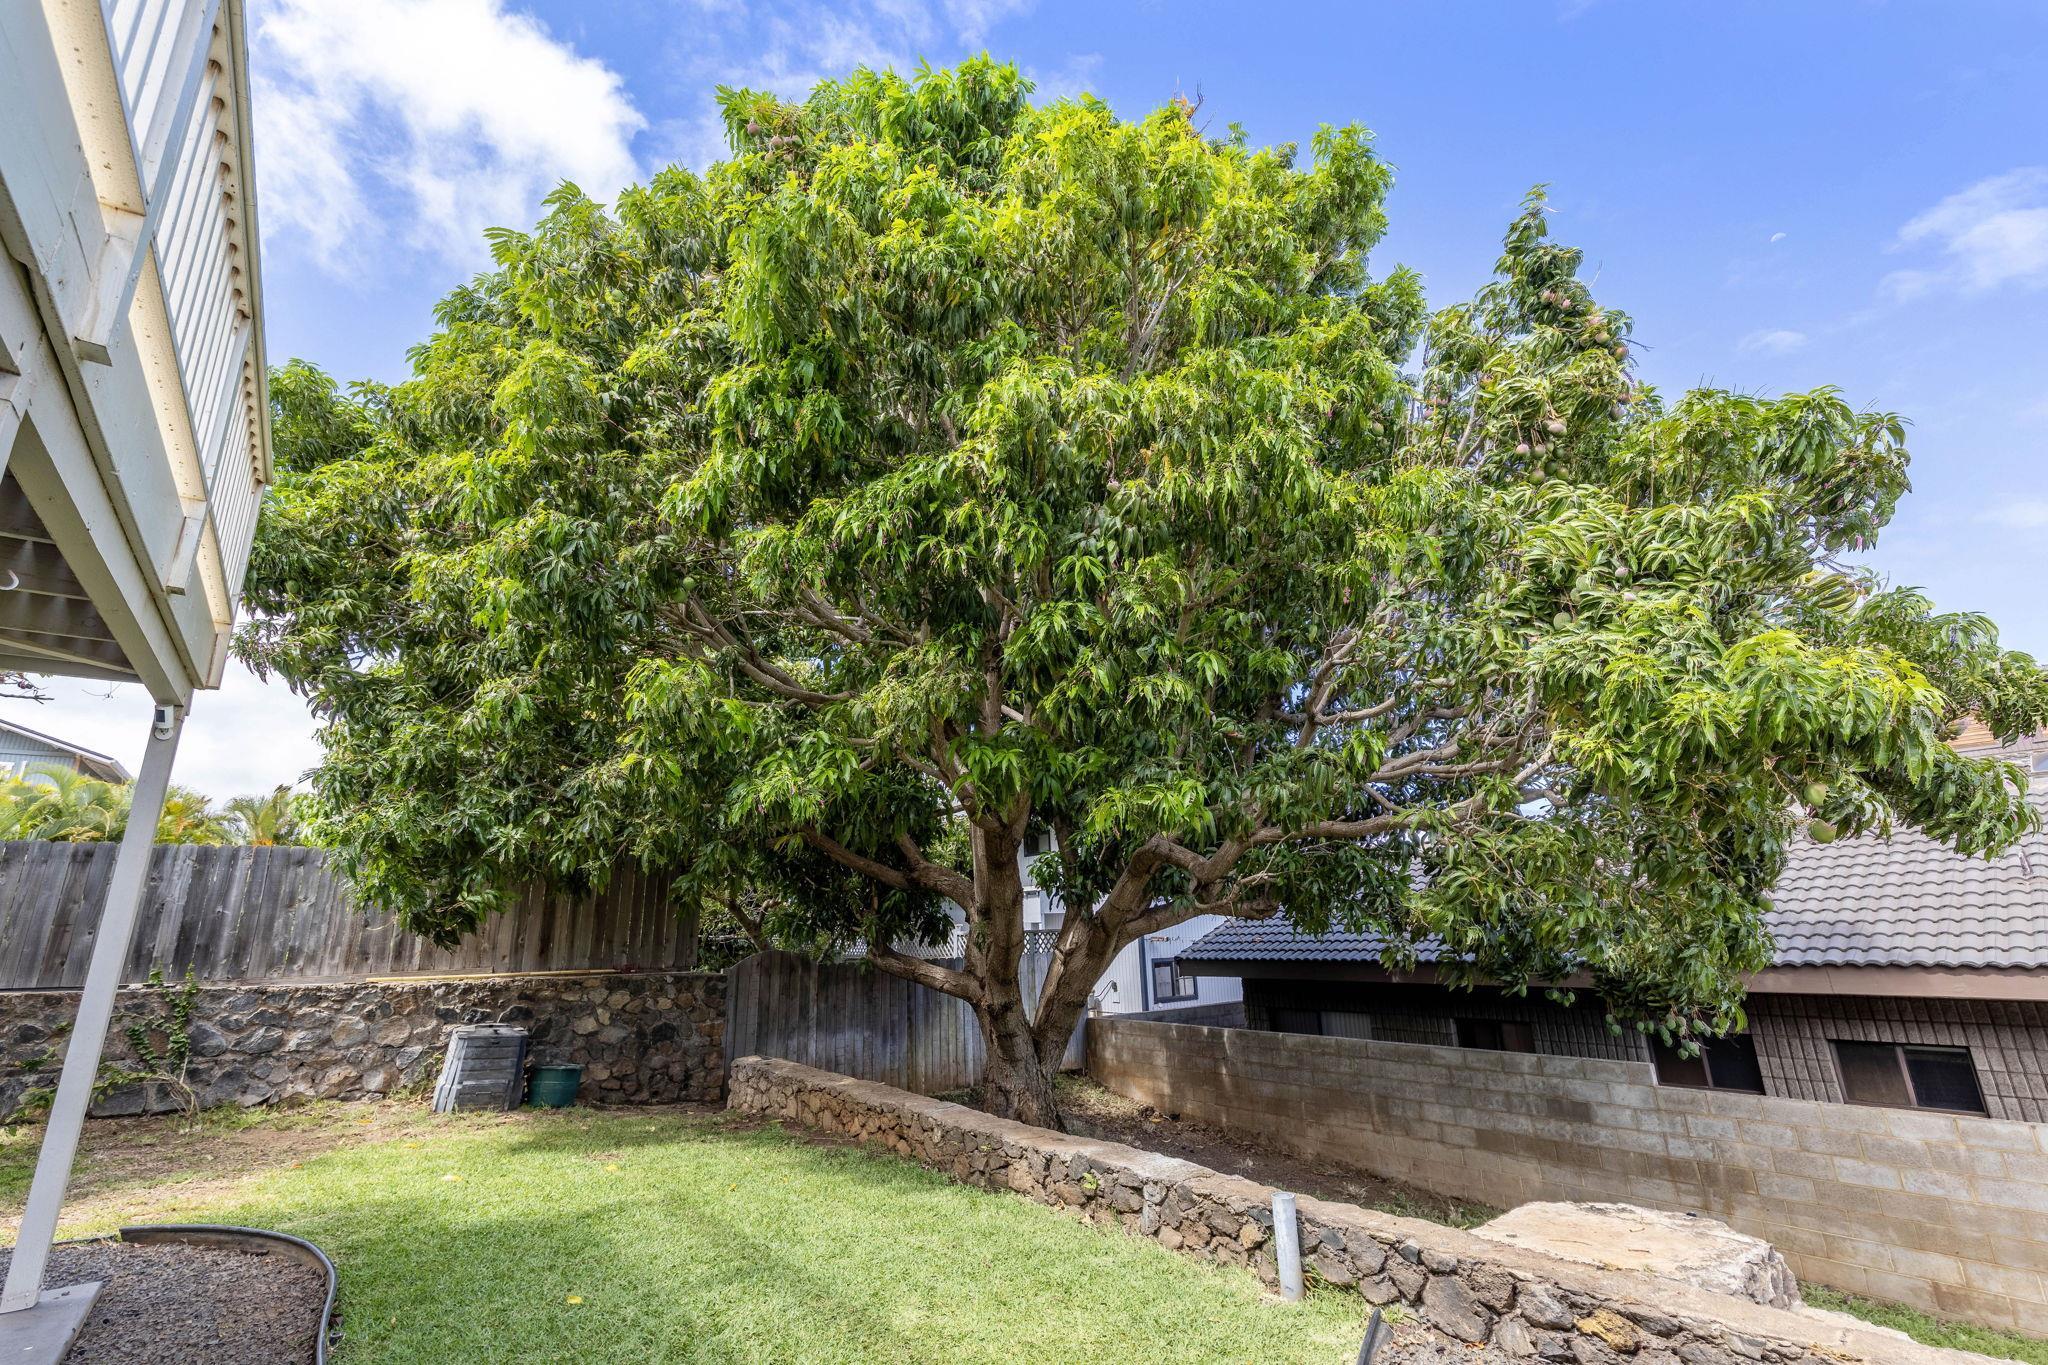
(42,1335)
(1687,1247)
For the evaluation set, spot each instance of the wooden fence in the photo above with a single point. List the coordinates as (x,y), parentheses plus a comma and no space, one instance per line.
(858,1020)
(283,914)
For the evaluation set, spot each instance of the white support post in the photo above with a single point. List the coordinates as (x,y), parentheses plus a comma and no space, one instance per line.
(95,1010)
(1287,1245)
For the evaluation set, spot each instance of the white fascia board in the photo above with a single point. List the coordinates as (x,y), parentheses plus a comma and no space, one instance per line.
(237,27)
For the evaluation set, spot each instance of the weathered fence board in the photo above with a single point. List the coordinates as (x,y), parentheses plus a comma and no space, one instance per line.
(283,914)
(857,1020)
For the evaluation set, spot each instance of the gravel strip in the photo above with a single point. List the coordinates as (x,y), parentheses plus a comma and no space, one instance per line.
(173,1305)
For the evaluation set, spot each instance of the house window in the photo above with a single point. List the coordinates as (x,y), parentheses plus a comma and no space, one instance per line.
(1721,1064)
(1168,983)
(1296,1021)
(1496,1035)
(1907,1076)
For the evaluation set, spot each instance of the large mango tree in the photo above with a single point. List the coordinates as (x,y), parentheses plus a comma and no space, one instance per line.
(945,467)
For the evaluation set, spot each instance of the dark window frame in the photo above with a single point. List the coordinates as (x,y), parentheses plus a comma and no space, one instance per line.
(1899,1053)
(1187,987)
(1494,1035)
(1291,1019)
(1669,1065)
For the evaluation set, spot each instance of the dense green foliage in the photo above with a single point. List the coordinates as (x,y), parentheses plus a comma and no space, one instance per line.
(943,465)
(66,806)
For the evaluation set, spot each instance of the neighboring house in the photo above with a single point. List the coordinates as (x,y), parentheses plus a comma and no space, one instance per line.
(24,751)
(1148,975)
(1144,977)
(1905,975)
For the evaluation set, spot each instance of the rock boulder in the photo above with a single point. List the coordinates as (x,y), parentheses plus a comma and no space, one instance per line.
(1686,1247)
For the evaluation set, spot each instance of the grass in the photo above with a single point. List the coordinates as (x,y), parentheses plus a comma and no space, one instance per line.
(657,1237)
(1929,1330)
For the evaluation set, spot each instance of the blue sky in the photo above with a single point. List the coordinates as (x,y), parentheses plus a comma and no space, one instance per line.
(1782,194)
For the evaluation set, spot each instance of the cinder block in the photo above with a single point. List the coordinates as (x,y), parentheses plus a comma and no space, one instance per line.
(1975,1305)
(1832,1141)
(1921,1125)
(1772,1185)
(1965,1160)
(1943,1184)
(2027,1166)
(1886,1150)
(2004,1281)
(2014,1194)
(1795,1161)
(1926,1265)
(1775,1136)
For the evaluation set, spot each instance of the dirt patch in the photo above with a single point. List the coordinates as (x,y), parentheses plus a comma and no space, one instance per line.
(134,1163)
(170,1305)
(1092,1111)
(143,1169)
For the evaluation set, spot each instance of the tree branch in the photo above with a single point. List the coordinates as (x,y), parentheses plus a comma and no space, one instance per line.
(952,981)
(866,866)
(769,675)
(948,882)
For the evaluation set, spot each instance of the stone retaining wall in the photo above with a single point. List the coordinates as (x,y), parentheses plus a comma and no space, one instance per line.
(1946,1212)
(1523,1303)
(645,1039)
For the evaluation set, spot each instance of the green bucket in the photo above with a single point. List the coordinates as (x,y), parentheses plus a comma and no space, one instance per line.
(554,1087)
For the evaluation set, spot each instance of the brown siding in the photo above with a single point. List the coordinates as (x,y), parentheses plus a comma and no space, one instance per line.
(1428,1015)
(2008,1040)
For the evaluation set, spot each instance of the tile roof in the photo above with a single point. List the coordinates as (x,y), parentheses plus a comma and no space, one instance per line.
(1899,902)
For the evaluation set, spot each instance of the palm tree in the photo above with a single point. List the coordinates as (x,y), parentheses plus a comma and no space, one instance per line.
(58,803)
(265,820)
(189,818)
(17,798)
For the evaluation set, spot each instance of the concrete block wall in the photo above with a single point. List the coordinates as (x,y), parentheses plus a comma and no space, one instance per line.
(1946,1213)
(1518,1303)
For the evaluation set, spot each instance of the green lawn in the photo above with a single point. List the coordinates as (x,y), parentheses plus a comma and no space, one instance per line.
(579,1237)
(1930,1330)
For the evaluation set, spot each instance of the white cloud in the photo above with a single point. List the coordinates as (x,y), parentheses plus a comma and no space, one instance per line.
(2020,514)
(972,19)
(1771,341)
(426,121)
(788,52)
(1075,76)
(1994,233)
